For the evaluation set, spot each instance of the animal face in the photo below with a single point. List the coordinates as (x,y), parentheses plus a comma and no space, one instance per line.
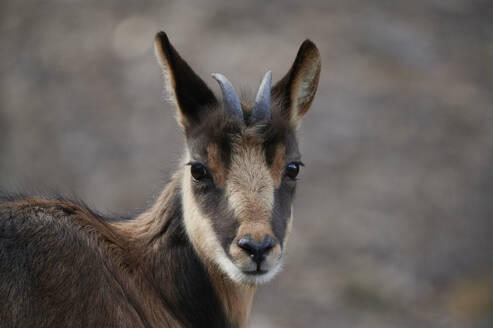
(240,181)
(241,163)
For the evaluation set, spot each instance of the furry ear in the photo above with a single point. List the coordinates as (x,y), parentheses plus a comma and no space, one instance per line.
(297,88)
(189,93)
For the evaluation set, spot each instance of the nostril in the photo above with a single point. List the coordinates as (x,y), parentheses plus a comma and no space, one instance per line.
(268,243)
(257,250)
(247,244)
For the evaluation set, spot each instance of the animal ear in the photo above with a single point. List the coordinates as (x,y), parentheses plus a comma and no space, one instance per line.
(297,88)
(189,93)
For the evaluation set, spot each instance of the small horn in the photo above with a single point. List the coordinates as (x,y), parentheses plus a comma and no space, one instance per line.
(231,101)
(262,101)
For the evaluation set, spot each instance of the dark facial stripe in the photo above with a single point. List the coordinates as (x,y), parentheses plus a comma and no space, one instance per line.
(213,203)
(283,198)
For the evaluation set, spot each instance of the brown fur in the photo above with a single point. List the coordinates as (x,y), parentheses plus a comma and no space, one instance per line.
(84,219)
(278,164)
(216,165)
(136,305)
(237,300)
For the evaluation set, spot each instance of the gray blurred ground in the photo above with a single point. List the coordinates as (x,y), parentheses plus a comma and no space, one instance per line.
(393,214)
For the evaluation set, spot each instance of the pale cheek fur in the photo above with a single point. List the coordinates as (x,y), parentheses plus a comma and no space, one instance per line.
(198,227)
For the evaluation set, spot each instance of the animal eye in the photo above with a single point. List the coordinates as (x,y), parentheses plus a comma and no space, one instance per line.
(198,171)
(292,170)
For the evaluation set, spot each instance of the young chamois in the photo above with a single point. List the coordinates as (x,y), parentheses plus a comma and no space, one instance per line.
(194,258)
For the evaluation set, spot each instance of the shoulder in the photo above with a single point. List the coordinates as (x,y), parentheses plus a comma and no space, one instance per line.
(37,209)
(29,217)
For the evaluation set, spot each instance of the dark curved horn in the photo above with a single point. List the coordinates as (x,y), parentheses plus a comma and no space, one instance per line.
(262,101)
(231,101)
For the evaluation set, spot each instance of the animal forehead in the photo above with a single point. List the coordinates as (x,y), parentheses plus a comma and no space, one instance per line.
(225,143)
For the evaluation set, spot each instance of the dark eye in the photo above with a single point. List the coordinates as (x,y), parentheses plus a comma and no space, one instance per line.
(198,171)
(292,170)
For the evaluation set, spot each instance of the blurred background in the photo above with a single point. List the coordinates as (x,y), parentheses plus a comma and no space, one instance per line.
(394,210)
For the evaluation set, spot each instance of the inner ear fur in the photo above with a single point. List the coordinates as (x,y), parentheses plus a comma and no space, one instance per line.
(185,88)
(297,88)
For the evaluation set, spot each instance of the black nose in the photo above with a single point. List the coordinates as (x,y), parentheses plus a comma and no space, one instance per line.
(257,249)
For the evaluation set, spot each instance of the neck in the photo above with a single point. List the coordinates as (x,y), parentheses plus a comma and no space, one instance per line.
(194,290)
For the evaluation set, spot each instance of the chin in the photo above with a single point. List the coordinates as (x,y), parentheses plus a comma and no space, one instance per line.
(240,276)
(257,278)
